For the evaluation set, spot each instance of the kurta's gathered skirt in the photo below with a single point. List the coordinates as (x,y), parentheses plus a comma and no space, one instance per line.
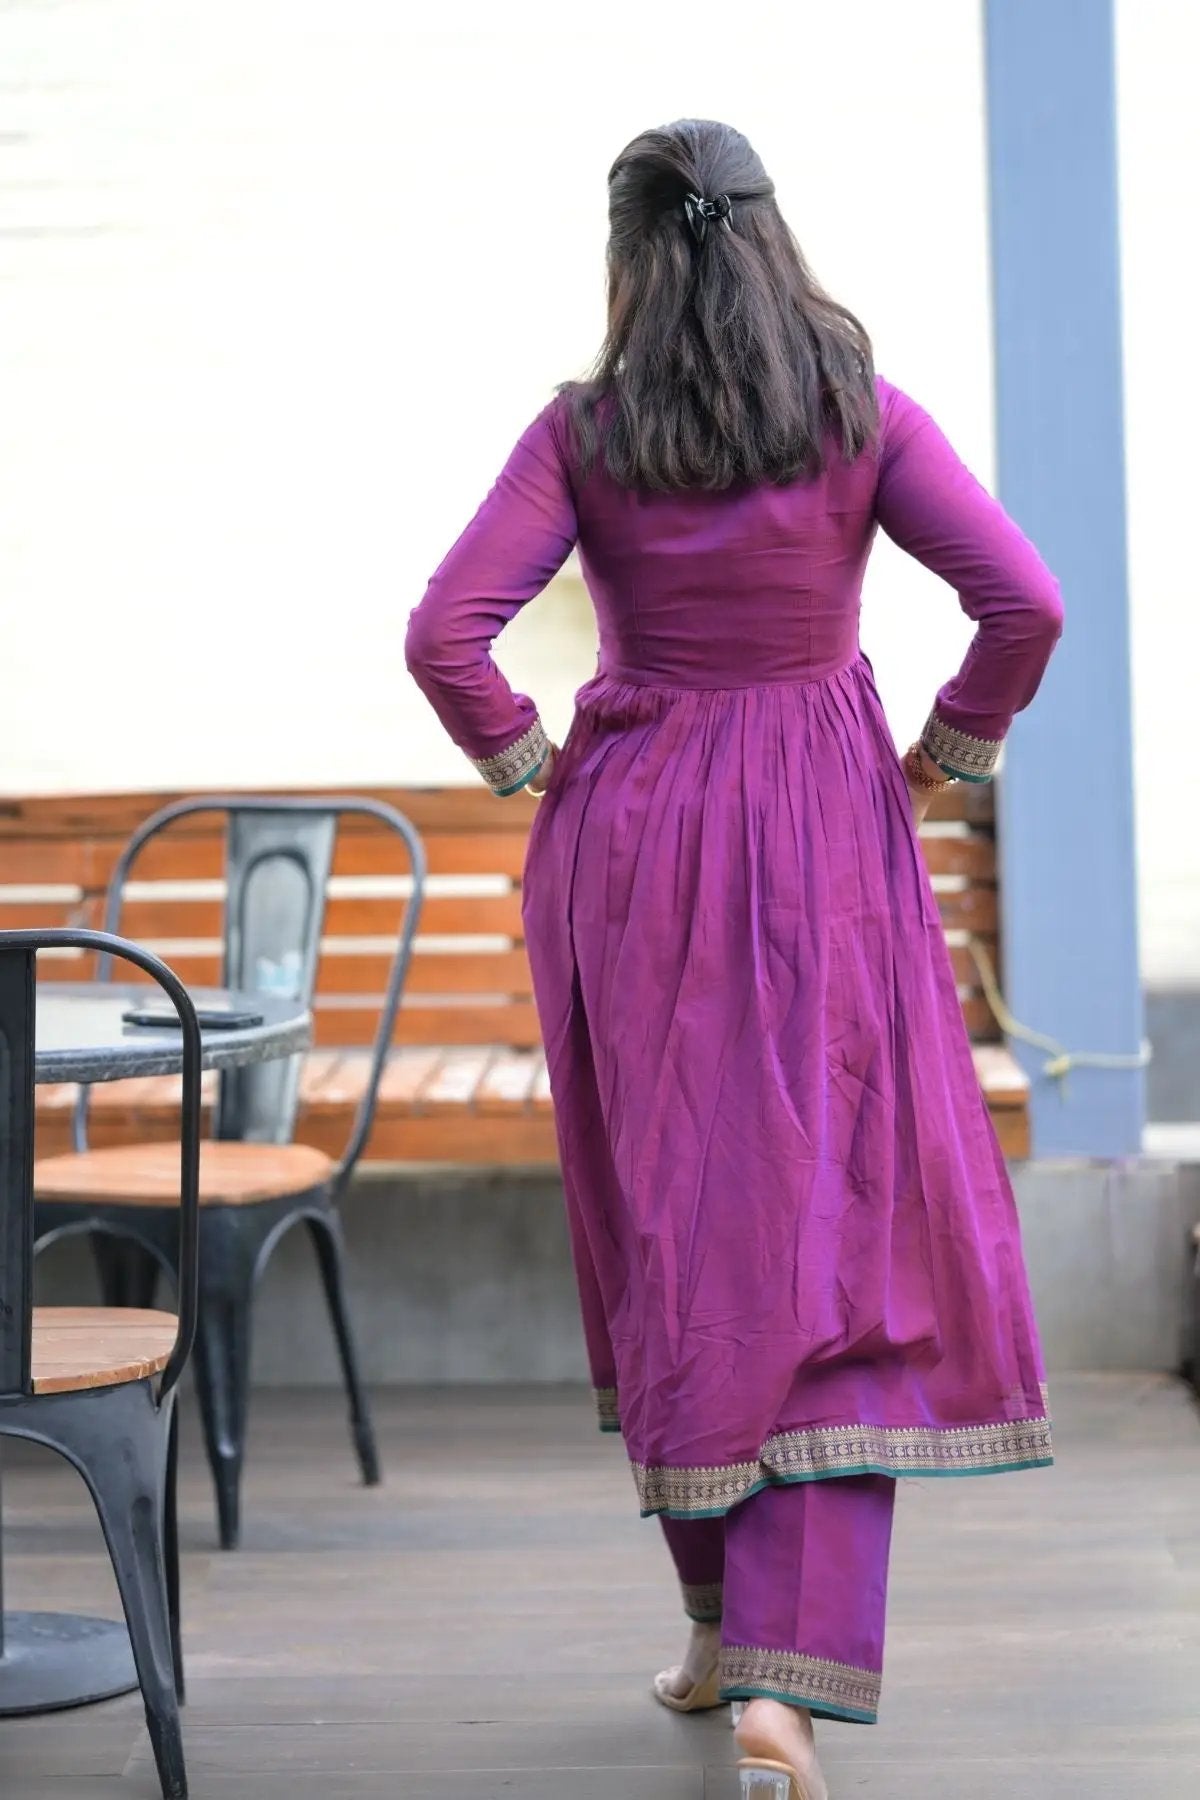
(794,1234)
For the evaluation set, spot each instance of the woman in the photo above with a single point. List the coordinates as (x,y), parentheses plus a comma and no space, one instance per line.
(795,1240)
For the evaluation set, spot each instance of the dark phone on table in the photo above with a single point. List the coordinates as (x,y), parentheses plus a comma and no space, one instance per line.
(212,1018)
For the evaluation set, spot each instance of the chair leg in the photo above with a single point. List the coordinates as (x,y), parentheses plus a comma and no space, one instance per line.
(326,1230)
(128,1271)
(221,1358)
(119,1444)
(171,1550)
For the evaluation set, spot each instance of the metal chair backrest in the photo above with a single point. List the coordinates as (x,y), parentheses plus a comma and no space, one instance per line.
(18,968)
(279,856)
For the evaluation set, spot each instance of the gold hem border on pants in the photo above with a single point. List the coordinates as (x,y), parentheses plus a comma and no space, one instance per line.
(801,1678)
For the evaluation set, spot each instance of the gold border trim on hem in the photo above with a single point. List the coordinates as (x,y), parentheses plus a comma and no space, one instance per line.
(959,753)
(803,1677)
(606,1409)
(703,1603)
(823,1452)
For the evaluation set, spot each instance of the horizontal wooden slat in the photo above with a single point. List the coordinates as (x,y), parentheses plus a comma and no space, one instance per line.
(442,972)
(507,1023)
(153,919)
(477,1139)
(972,802)
(196,971)
(160,917)
(970,909)
(48,862)
(503,973)
(77,966)
(384,854)
(178,856)
(470,808)
(183,856)
(973,856)
(442,915)
(485,854)
(34,915)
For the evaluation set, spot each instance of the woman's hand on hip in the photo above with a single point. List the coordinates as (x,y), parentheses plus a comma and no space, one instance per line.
(921,798)
(545,775)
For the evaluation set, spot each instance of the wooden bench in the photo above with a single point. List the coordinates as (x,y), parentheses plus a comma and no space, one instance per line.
(466,1083)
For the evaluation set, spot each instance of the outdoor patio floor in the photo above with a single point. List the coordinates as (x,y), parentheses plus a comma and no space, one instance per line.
(487,1622)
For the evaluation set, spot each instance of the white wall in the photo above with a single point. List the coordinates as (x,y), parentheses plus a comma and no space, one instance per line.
(1158,66)
(282,280)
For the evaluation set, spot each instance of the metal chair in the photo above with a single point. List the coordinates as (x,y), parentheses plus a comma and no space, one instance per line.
(107,1407)
(255,1183)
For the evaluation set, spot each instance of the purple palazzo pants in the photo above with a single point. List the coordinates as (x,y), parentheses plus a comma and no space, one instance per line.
(797,1578)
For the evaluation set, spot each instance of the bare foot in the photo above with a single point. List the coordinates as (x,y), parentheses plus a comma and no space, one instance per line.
(783,1734)
(698,1666)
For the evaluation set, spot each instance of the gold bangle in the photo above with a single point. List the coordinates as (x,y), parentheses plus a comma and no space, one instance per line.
(914,769)
(547,763)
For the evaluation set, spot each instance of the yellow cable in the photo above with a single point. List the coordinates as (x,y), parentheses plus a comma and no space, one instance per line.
(1062,1060)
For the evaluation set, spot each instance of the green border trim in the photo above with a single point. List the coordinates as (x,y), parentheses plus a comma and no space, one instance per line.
(957,775)
(504,792)
(822,1708)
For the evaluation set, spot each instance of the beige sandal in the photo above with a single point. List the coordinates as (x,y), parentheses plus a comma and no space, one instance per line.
(702,1696)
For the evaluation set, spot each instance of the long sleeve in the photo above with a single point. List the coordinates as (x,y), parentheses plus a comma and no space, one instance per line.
(519,538)
(930,504)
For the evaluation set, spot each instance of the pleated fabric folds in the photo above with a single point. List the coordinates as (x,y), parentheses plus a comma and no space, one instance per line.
(795,1238)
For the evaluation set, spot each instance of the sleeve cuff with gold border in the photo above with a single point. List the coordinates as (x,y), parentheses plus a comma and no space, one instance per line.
(511,769)
(956,753)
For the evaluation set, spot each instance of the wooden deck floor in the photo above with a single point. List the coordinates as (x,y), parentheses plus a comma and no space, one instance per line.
(484,1626)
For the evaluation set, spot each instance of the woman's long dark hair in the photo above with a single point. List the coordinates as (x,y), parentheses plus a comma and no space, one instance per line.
(725,361)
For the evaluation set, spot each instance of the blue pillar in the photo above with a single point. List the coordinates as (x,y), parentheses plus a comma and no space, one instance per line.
(1066,796)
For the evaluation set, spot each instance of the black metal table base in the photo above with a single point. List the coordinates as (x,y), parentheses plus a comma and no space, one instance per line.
(52,1660)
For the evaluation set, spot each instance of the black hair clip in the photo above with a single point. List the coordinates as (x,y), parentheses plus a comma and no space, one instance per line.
(698,211)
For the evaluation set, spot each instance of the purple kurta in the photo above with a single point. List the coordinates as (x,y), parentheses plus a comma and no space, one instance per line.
(795,1238)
